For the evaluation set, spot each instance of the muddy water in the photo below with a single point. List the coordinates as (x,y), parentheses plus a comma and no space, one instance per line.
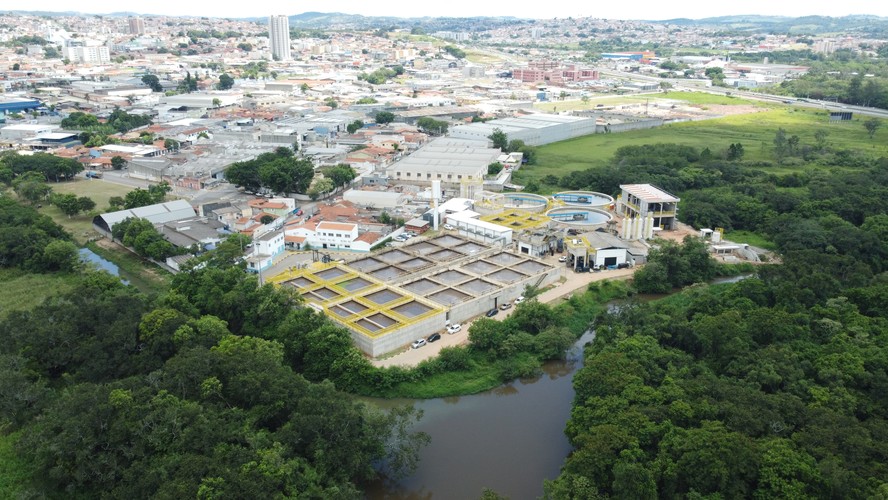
(508,439)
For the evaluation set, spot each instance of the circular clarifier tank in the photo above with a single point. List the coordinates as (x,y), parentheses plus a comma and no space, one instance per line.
(576,216)
(524,201)
(584,198)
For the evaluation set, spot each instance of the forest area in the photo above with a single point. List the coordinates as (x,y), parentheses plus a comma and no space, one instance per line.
(773,387)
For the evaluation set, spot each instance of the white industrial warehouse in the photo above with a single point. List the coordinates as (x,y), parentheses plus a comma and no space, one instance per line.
(534,130)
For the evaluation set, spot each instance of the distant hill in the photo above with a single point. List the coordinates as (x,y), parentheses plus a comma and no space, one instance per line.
(324,20)
(814,25)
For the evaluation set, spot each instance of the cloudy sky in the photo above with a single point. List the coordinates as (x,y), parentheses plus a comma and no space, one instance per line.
(636,9)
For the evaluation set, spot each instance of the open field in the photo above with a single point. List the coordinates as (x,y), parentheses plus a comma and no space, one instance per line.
(755,131)
(21,290)
(483,57)
(100,191)
(80,227)
(694,98)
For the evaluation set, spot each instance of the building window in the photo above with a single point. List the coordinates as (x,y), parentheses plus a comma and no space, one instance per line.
(459,177)
(450,176)
(439,176)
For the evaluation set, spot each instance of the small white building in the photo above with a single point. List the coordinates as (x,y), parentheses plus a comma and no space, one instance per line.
(470,226)
(265,248)
(343,236)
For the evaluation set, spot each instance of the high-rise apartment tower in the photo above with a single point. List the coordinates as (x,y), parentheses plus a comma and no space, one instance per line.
(136,26)
(279,37)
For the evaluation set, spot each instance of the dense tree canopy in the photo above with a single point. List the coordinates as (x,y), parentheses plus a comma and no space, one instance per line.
(25,236)
(116,396)
(52,167)
(279,172)
(772,387)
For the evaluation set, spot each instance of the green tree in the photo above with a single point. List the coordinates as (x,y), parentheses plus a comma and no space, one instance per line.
(433,126)
(319,188)
(499,139)
(384,117)
(354,126)
(871,126)
(32,187)
(117,162)
(494,168)
(735,152)
(60,255)
(153,82)
(67,203)
(781,145)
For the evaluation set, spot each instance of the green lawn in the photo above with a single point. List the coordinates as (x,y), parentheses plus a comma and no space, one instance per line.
(750,239)
(22,290)
(755,131)
(698,98)
(100,191)
(482,376)
(80,226)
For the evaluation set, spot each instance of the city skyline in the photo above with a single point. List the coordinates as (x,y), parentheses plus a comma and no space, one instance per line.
(639,10)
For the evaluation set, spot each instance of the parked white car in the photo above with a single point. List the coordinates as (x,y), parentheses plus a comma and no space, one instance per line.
(519,300)
(448,227)
(454,328)
(418,343)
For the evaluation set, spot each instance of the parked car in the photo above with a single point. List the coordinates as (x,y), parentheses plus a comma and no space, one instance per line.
(435,336)
(454,328)
(491,313)
(448,227)
(519,300)
(505,305)
(623,265)
(563,258)
(418,343)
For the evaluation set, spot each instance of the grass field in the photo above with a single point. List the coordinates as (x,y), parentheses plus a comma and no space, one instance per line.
(755,131)
(750,239)
(482,376)
(698,98)
(22,290)
(80,226)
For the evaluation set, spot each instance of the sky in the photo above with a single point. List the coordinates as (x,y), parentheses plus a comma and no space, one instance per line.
(633,9)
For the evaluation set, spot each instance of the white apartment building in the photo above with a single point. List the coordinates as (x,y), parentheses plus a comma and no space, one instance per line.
(279,37)
(94,54)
